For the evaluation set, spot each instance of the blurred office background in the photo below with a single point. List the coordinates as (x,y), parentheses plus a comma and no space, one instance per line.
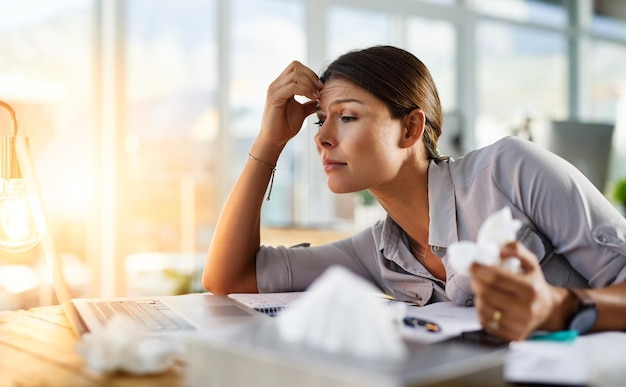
(140,113)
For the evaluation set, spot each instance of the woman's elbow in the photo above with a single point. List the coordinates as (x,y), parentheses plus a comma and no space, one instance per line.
(212,283)
(218,284)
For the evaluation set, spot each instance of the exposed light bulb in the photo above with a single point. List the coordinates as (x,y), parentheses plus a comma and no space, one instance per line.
(18,231)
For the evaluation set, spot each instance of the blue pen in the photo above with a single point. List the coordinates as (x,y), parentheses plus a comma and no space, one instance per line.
(415,322)
(560,336)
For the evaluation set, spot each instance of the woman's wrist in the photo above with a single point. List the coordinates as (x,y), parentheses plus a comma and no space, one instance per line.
(265,157)
(262,151)
(564,305)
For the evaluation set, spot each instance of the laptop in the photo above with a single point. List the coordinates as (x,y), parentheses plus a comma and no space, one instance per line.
(163,315)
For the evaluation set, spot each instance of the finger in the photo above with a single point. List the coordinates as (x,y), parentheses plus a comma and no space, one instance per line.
(490,317)
(282,93)
(501,322)
(307,84)
(509,304)
(492,277)
(528,260)
(489,298)
(493,296)
(503,289)
(309,107)
(303,72)
(297,79)
(297,67)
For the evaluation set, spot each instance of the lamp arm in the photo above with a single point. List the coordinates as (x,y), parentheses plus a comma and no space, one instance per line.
(12,114)
(9,166)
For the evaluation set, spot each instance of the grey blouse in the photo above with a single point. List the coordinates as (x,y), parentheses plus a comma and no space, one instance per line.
(579,236)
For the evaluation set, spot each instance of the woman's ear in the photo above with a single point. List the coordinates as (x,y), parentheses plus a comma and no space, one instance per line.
(413,127)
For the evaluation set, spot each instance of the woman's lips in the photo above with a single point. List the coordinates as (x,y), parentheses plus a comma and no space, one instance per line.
(332,165)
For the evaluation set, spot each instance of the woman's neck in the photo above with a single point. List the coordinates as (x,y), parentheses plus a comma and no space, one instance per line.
(406,202)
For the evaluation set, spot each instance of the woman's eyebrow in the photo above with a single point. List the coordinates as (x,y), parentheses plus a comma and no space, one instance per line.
(340,101)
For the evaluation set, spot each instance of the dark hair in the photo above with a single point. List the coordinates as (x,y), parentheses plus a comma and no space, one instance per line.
(397,78)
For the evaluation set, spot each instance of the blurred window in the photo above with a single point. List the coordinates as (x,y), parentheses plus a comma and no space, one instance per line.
(434,43)
(172,124)
(521,74)
(440,2)
(607,55)
(608,80)
(547,12)
(352,28)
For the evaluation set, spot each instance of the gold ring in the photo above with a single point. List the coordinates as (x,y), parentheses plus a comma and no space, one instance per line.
(495,320)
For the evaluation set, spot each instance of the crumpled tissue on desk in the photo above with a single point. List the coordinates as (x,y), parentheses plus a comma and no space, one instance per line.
(124,346)
(341,313)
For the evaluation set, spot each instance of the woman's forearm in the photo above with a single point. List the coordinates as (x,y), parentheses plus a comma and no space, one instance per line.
(231,260)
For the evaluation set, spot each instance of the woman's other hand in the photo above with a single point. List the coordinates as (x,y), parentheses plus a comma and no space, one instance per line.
(512,305)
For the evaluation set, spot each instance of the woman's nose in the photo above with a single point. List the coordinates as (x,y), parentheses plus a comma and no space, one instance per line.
(323,137)
(322,143)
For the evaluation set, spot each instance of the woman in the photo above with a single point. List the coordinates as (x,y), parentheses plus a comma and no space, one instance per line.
(379,122)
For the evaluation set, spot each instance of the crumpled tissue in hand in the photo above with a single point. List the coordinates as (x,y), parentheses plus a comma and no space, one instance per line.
(123,346)
(495,232)
(341,313)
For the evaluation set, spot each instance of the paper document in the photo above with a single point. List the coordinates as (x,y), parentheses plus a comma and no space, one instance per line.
(451,319)
(597,359)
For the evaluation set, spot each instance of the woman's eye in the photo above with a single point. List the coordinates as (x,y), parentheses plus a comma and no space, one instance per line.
(342,118)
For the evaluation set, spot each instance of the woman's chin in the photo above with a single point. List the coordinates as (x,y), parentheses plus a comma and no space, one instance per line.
(342,189)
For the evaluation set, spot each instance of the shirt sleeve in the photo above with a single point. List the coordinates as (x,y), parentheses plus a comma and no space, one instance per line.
(565,206)
(283,269)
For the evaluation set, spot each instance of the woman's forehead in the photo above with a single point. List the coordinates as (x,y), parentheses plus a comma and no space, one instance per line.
(342,91)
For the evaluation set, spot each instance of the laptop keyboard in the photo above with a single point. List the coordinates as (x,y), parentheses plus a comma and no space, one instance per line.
(153,315)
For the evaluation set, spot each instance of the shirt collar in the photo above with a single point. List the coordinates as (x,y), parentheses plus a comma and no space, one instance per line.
(441,204)
(390,237)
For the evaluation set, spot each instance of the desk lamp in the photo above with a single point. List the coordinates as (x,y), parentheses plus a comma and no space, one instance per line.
(18,231)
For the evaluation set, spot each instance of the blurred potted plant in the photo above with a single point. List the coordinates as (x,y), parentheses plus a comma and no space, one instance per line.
(367,210)
(619,194)
(365,198)
(185,282)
